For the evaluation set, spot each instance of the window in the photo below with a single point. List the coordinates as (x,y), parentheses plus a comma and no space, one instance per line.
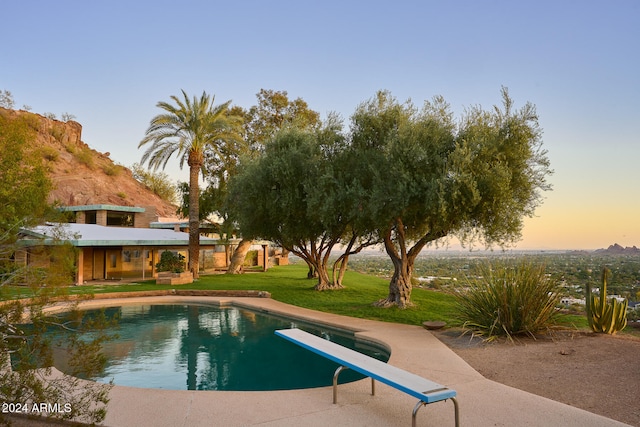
(119,219)
(90,217)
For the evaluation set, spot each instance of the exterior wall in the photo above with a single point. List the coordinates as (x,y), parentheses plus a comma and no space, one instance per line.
(281,260)
(20,258)
(39,257)
(87,264)
(101,218)
(124,262)
(144,219)
(260,258)
(213,258)
(220,260)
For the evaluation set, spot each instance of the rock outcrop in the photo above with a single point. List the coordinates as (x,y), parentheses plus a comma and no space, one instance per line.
(82,175)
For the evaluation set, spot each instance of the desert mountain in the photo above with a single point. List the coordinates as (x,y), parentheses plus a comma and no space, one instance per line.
(616,249)
(82,175)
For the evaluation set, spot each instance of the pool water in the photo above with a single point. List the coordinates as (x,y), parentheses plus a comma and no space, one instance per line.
(200,347)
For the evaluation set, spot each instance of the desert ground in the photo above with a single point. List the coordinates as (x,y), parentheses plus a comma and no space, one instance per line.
(596,372)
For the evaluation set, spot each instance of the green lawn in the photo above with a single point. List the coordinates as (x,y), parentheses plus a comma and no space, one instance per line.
(290,285)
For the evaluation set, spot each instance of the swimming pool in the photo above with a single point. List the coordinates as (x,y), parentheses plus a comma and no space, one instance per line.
(204,347)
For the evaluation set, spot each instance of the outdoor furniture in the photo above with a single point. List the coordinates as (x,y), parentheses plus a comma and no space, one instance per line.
(418,387)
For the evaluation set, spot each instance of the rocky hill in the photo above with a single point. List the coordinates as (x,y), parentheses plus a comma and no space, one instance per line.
(616,249)
(82,175)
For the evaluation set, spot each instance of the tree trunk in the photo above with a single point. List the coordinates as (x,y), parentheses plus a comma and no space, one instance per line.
(318,268)
(403,260)
(194,215)
(343,260)
(338,274)
(313,272)
(399,290)
(238,257)
(400,285)
(323,281)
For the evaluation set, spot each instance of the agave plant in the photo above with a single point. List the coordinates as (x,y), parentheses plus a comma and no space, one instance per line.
(605,316)
(509,300)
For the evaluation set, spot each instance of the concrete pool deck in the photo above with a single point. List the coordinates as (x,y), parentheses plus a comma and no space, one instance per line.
(482,402)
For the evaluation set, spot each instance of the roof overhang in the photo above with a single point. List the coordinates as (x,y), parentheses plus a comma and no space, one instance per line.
(113,208)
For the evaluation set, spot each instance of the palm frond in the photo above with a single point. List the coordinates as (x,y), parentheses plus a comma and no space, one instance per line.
(189,126)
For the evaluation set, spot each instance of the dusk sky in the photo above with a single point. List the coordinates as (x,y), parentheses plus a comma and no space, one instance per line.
(109,63)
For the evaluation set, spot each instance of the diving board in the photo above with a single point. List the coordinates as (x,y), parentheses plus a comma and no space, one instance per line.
(425,390)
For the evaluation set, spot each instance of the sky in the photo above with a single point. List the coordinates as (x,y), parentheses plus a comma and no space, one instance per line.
(109,63)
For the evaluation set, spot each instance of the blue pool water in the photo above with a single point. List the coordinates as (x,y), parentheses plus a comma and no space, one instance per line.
(199,347)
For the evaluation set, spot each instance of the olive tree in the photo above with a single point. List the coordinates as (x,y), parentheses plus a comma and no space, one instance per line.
(293,195)
(424,176)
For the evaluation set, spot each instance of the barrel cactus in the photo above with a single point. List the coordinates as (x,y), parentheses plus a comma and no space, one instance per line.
(605,316)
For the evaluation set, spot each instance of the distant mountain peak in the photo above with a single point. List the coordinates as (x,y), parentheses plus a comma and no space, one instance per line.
(616,249)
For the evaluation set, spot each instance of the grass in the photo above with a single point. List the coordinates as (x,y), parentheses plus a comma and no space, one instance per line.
(289,284)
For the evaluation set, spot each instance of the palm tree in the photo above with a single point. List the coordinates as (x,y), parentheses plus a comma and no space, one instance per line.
(190,129)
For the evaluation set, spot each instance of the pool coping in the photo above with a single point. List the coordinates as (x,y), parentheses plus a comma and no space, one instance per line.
(413,348)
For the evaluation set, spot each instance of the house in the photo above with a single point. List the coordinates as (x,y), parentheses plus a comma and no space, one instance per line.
(571,301)
(117,242)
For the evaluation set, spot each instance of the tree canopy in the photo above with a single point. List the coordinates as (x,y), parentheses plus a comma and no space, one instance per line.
(21,167)
(297,194)
(402,176)
(273,112)
(432,177)
(25,347)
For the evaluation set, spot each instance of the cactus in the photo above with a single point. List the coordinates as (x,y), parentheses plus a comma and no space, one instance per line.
(605,316)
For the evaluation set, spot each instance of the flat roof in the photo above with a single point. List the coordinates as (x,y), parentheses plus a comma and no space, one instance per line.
(115,208)
(84,235)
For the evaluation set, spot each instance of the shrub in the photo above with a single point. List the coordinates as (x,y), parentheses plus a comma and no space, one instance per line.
(158,182)
(171,261)
(111,169)
(50,154)
(508,300)
(85,156)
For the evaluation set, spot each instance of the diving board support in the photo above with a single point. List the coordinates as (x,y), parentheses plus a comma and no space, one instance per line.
(420,404)
(421,388)
(335,384)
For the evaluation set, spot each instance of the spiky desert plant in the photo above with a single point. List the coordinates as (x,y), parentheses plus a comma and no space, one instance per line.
(509,299)
(605,316)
